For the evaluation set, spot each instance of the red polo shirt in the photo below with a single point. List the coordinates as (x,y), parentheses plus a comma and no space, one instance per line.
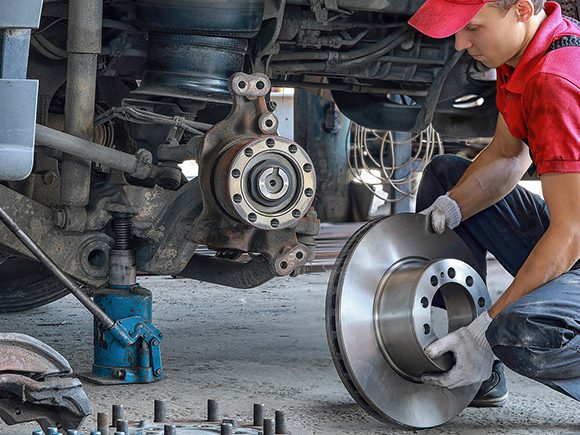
(540,98)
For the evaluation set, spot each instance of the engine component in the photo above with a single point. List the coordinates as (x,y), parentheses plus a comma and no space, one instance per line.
(35,385)
(213,423)
(382,311)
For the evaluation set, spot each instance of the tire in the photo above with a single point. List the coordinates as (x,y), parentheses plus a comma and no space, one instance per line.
(27,284)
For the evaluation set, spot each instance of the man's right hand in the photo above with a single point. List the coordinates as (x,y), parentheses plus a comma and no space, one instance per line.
(444,212)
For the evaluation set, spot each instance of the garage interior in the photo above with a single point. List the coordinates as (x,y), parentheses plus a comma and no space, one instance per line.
(209,227)
(265,345)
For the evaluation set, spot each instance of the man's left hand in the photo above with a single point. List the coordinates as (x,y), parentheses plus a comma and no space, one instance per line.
(472,352)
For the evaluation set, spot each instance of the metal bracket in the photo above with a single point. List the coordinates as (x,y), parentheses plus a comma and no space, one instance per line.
(68,249)
(18,96)
(16,15)
(17,127)
(322,9)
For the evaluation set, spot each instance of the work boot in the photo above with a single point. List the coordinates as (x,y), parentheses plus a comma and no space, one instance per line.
(493,392)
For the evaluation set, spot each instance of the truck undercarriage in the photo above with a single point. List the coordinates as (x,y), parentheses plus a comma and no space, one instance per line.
(128,90)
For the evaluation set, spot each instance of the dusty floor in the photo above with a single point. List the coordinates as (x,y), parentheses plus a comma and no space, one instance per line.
(265,345)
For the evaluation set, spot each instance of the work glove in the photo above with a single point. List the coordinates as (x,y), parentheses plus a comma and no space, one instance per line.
(444,212)
(473,355)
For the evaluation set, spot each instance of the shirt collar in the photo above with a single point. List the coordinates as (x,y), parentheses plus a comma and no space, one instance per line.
(537,48)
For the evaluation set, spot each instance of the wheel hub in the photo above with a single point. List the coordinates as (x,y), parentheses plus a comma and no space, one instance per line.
(273,183)
(270,182)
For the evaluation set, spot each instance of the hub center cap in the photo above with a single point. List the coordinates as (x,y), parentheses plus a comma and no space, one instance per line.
(273,183)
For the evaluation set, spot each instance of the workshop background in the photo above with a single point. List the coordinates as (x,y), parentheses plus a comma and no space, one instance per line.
(190,171)
(267,345)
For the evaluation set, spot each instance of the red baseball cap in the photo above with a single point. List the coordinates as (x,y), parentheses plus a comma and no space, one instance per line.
(443,18)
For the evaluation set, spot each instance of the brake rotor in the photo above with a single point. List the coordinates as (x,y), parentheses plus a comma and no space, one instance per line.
(380,316)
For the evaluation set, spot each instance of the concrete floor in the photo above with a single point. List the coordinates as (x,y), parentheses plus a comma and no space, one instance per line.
(264,345)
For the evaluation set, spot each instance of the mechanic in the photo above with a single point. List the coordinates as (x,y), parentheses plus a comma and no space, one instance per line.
(534,327)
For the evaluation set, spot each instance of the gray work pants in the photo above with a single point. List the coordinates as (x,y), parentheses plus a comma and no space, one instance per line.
(537,336)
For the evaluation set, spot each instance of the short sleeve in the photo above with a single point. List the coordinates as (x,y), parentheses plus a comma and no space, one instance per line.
(551,106)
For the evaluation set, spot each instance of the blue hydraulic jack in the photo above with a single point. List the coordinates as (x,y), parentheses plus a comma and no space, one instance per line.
(128,353)
(126,343)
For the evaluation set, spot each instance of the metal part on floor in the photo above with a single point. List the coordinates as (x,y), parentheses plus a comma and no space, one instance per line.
(382,311)
(212,424)
(35,385)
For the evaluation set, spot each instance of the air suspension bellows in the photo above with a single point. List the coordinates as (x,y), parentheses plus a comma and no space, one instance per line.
(196,45)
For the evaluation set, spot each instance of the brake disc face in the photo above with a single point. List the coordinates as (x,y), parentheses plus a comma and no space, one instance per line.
(380,317)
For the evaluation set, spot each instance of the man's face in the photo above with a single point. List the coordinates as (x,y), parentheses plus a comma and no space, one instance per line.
(493,37)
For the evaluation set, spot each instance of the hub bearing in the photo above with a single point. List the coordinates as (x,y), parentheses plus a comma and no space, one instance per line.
(380,316)
(270,182)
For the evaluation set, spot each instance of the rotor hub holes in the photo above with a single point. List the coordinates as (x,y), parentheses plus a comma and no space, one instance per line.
(270,178)
(441,302)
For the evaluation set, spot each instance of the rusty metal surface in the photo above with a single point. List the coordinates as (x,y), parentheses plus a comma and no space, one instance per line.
(329,242)
(22,353)
(170,225)
(163,226)
(53,402)
(267,185)
(34,385)
(83,45)
(286,249)
(67,249)
(237,274)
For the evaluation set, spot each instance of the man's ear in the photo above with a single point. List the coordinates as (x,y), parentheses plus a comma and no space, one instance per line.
(524,10)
